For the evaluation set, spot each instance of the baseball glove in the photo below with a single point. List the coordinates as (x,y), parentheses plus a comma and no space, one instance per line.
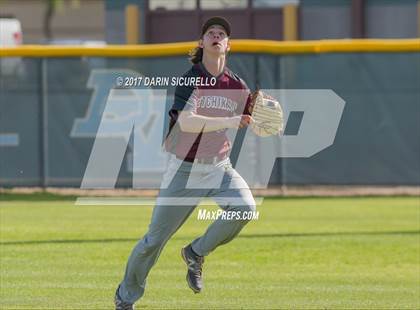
(267,114)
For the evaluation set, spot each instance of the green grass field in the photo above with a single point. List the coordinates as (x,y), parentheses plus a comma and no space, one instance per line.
(317,253)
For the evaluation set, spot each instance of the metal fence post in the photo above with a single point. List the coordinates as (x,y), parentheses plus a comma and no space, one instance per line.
(43,132)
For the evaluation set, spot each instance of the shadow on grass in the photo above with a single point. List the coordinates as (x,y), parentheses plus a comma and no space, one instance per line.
(47,196)
(41,196)
(291,235)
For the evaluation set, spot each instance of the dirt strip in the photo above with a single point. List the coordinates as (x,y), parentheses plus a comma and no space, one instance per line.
(299,191)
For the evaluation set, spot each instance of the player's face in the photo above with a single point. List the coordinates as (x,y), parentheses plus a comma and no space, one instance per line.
(215,40)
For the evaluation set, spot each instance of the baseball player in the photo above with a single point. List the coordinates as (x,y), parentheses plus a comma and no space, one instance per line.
(199,165)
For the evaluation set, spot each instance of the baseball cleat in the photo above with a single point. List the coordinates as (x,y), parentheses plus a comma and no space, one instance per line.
(120,304)
(195,266)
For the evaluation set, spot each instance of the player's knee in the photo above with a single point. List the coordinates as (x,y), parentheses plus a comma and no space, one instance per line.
(251,208)
(246,212)
(151,244)
(248,205)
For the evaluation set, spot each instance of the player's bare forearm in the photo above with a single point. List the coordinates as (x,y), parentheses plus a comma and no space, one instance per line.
(191,122)
(194,123)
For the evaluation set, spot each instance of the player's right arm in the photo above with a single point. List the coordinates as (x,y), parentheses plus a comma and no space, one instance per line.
(184,111)
(189,121)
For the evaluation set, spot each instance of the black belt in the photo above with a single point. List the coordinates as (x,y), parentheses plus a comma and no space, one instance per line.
(208,161)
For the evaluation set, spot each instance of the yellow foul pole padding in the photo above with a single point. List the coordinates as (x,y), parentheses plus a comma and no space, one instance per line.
(238,46)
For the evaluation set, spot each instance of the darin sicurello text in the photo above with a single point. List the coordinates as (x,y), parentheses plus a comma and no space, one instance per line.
(131,81)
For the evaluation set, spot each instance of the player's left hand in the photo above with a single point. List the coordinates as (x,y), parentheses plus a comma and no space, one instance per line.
(267,114)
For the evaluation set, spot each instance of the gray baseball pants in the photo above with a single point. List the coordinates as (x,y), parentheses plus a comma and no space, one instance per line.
(184,185)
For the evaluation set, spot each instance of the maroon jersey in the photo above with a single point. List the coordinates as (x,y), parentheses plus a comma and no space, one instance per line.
(229,96)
